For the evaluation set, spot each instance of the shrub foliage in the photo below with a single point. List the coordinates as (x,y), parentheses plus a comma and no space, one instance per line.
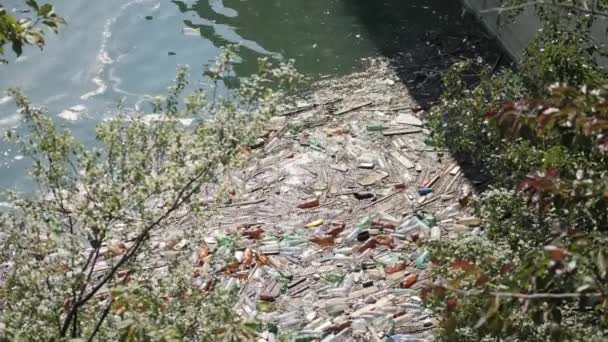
(540,134)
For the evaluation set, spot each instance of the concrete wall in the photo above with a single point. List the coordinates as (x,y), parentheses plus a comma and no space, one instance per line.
(513,35)
(516,35)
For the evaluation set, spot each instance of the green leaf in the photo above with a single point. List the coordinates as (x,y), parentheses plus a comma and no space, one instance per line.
(556,315)
(50,23)
(45,10)
(33,4)
(17,47)
(601,264)
(537,316)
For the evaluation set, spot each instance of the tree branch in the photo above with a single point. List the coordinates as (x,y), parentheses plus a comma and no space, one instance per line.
(100,322)
(564,295)
(181,197)
(579,9)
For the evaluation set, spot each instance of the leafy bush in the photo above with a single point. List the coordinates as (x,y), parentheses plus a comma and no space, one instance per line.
(539,132)
(487,291)
(105,205)
(508,218)
(457,121)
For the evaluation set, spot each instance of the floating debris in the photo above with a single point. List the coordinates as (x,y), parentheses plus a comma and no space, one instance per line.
(401,131)
(73,113)
(326,231)
(372,178)
(189,31)
(424,191)
(407,119)
(309,204)
(470,221)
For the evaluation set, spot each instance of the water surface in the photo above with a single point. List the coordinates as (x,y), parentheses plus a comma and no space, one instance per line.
(130,49)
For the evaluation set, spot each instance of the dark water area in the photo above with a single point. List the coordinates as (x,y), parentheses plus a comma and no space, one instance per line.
(129,49)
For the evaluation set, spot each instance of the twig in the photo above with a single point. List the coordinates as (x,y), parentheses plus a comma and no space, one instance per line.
(309,107)
(564,295)
(434,180)
(300,110)
(248,279)
(429,202)
(184,194)
(495,67)
(456,176)
(409,201)
(241,204)
(344,111)
(98,325)
(400,131)
(543,3)
(382,199)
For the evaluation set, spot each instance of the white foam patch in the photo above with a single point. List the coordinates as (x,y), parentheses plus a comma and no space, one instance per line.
(10,121)
(73,113)
(189,31)
(5,100)
(103,56)
(117,83)
(150,118)
(6,205)
(78,108)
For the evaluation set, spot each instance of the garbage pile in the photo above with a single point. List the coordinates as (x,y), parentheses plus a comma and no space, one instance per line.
(326,236)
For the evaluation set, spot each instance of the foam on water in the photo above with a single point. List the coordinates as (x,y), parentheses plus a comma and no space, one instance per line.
(5,100)
(11,121)
(103,56)
(6,205)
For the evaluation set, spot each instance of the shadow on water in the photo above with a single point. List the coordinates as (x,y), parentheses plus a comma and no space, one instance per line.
(117,48)
(421,38)
(323,36)
(436,33)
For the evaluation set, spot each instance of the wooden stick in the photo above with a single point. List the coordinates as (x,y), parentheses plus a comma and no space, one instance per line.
(240,204)
(344,111)
(456,176)
(381,200)
(565,295)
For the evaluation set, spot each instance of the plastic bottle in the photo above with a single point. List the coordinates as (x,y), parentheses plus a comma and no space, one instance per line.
(422,260)
(305,336)
(359,327)
(348,281)
(435,233)
(411,226)
(403,338)
(335,292)
(449,212)
(365,223)
(375,127)
(428,218)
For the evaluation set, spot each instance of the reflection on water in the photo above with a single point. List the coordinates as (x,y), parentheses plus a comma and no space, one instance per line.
(128,49)
(324,36)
